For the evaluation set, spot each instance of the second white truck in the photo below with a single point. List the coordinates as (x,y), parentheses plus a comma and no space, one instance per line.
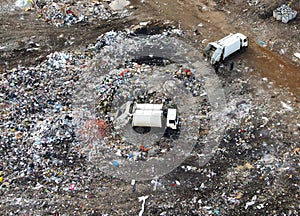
(151,115)
(219,50)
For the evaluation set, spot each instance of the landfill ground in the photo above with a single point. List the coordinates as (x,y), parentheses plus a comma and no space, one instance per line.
(254,169)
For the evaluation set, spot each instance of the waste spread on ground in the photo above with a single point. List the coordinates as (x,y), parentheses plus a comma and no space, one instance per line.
(65,147)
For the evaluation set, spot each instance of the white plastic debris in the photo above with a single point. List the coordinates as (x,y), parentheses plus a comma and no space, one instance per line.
(144,23)
(265,121)
(268,159)
(143,198)
(119,4)
(252,202)
(260,206)
(286,106)
(297,55)
(23,3)
(177,32)
(133,182)
(155,183)
(253,2)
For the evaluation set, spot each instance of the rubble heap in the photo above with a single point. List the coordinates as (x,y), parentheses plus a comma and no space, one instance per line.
(62,13)
(284,13)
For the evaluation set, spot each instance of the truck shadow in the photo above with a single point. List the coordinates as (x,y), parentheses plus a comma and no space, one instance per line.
(172,134)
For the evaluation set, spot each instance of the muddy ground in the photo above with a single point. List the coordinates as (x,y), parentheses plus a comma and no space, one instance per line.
(236,176)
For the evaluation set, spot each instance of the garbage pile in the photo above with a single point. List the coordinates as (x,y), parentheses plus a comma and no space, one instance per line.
(37,129)
(284,13)
(61,13)
(116,88)
(36,116)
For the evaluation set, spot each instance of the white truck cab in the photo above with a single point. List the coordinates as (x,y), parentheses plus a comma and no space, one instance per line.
(172,119)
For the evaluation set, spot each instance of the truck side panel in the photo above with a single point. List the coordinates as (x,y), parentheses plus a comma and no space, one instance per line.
(149,106)
(231,48)
(147,119)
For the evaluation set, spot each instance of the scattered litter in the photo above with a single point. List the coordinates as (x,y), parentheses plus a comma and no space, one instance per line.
(216,212)
(297,55)
(286,106)
(142,199)
(253,2)
(72,187)
(23,3)
(119,4)
(62,13)
(262,43)
(144,23)
(133,184)
(155,183)
(251,203)
(116,163)
(175,183)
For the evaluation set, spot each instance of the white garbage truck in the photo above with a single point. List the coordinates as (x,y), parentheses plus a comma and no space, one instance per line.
(219,50)
(152,115)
